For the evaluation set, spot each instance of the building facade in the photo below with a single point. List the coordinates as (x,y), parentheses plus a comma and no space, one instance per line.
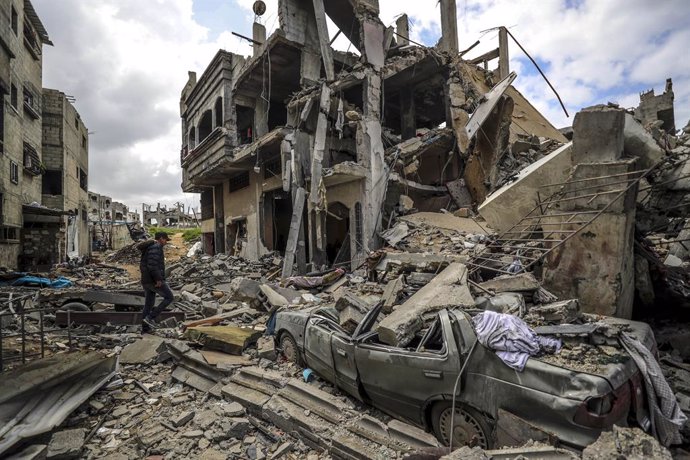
(66,162)
(28,238)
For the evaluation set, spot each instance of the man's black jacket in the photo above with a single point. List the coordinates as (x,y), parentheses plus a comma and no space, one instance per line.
(152,264)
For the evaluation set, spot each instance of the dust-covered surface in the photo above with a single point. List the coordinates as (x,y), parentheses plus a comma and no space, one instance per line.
(625,443)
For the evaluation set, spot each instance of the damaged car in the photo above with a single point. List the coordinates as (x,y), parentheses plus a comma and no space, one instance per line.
(494,405)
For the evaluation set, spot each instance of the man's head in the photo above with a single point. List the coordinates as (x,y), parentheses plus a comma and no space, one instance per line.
(161,237)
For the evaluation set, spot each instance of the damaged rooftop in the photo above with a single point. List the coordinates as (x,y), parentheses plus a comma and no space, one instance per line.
(396,253)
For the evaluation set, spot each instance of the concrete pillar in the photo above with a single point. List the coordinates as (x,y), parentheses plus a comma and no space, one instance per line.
(503,57)
(449,26)
(370,153)
(324,41)
(259,35)
(260,118)
(402,26)
(598,134)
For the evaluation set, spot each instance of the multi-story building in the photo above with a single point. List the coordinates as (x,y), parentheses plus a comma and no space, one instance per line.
(307,151)
(30,236)
(66,162)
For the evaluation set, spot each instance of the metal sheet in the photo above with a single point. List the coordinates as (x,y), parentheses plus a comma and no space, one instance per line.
(482,112)
(38,396)
(113,317)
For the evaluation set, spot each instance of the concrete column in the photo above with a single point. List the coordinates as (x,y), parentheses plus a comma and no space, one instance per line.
(310,69)
(370,153)
(402,26)
(324,41)
(503,57)
(260,118)
(449,26)
(259,35)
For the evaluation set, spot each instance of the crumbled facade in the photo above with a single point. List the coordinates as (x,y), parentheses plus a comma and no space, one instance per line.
(164,216)
(66,161)
(305,150)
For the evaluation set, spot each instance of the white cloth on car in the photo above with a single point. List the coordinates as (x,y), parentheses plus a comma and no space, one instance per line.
(512,339)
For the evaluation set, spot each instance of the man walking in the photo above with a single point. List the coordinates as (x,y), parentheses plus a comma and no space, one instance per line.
(152,266)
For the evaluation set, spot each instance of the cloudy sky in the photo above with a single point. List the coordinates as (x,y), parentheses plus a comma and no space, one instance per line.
(126,61)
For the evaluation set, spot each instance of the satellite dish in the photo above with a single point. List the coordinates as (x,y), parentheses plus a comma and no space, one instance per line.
(259,8)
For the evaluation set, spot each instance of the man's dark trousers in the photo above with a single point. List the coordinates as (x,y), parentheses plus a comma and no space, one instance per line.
(151,290)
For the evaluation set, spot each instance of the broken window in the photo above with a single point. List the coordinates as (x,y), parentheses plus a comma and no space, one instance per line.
(32,162)
(359,234)
(205,125)
(14,98)
(272,168)
(15,21)
(191,138)
(338,234)
(8,233)
(219,112)
(245,123)
(239,181)
(236,234)
(83,180)
(52,182)
(14,172)
(31,101)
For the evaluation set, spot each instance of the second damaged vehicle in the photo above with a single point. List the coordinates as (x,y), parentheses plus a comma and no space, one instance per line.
(495,405)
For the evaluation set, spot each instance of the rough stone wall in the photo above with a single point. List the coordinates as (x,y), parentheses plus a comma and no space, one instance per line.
(42,246)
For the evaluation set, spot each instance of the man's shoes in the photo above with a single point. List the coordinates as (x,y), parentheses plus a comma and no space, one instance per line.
(148,325)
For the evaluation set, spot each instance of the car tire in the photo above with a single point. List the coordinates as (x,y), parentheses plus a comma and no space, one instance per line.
(471,427)
(74,306)
(288,347)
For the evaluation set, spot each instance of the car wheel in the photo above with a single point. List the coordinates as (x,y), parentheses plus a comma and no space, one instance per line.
(469,429)
(74,306)
(288,345)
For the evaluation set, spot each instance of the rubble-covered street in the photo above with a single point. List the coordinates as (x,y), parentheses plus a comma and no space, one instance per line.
(408,261)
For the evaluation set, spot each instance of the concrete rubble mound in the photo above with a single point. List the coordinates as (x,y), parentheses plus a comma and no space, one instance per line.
(378,207)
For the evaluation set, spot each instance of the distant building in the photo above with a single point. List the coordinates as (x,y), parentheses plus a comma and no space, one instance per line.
(66,161)
(657,107)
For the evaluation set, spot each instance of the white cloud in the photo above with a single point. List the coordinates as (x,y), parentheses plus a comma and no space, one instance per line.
(126,62)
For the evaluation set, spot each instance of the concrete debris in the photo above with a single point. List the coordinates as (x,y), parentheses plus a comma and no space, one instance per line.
(401,180)
(447,290)
(625,443)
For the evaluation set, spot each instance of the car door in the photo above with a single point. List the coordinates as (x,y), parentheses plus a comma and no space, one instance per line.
(400,381)
(317,347)
(345,368)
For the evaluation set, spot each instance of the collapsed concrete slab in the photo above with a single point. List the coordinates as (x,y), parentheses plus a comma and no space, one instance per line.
(502,210)
(448,289)
(638,143)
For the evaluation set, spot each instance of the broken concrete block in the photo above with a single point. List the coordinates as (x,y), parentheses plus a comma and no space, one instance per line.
(66,444)
(598,134)
(283,449)
(523,282)
(241,289)
(228,339)
(444,221)
(273,297)
(462,212)
(565,311)
(448,289)
(141,351)
(350,318)
(502,211)
(405,203)
(638,143)
(348,299)
(391,294)
(182,418)
(266,347)
(625,443)
(672,261)
(504,302)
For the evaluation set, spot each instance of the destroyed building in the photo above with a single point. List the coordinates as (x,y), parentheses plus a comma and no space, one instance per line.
(163,216)
(66,161)
(307,151)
